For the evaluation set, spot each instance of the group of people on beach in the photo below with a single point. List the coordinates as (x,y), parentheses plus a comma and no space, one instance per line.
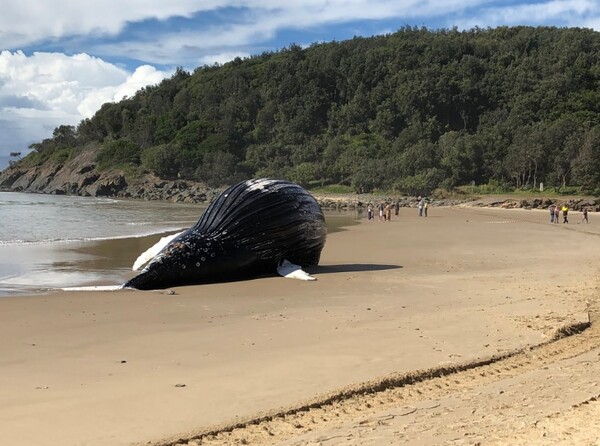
(555,211)
(385,209)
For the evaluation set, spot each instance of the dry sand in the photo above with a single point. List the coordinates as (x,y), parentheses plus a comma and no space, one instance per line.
(418,331)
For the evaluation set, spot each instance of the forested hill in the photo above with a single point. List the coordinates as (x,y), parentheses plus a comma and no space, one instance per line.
(409,111)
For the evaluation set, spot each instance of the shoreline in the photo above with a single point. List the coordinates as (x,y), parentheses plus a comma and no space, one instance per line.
(42,267)
(127,367)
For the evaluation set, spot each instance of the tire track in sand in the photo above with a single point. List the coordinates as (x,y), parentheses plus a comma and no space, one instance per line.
(394,391)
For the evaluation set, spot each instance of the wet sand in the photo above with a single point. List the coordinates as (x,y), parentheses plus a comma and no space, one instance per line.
(41,267)
(393,297)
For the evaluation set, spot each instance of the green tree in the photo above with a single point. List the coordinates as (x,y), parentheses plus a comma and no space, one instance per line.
(586,165)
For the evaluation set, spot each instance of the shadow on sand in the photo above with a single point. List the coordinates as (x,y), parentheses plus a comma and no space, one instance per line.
(349,268)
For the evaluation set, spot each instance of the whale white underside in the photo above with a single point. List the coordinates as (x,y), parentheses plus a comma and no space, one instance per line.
(151,252)
(285,269)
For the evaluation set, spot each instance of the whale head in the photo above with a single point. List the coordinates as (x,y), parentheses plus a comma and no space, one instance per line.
(193,258)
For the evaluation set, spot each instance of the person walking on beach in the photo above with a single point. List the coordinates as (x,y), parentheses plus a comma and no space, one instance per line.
(421,203)
(585,217)
(388,212)
(565,211)
(397,208)
(381,216)
(425,207)
(551,207)
(556,213)
(370,212)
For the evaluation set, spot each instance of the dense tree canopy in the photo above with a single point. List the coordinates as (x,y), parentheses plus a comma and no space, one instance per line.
(413,110)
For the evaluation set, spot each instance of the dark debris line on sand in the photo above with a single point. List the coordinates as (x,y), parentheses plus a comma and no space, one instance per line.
(395,391)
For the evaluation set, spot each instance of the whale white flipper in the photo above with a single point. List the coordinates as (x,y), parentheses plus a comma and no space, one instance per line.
(289,270)
(149,254)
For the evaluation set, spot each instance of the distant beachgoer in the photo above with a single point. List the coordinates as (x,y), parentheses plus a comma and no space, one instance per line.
(565,211)
(585,216)
(381,215)
(556,214)
(397,208)
(388,212)
(370,212)
(425,207)
(551,207)
(421,204)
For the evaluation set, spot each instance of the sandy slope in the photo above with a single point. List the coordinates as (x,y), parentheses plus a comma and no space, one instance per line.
(436,294)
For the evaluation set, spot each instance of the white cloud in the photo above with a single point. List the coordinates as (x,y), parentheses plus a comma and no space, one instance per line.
(44,90)
(253,23)
(141,77)
(41,19)
(262,21)
(581,13)
(38,20)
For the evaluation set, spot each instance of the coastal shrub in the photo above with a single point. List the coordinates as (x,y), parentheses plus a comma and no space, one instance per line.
(303,173)
(423,183)
(161,161)
(121,151)
(334,189)
(489,188)
(32,159)
(569,190)
(219,169)
(63,155)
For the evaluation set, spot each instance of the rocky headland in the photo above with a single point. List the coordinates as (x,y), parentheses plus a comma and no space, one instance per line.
(81,176)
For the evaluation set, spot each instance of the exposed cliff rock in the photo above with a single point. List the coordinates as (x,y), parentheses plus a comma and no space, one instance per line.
(80,176)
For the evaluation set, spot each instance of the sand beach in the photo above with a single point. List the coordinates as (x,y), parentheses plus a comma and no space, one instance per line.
(471,326)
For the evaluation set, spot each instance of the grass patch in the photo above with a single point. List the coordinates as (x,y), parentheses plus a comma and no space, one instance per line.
(334,189)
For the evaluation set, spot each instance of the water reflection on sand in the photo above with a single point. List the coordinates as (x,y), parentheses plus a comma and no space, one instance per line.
(43,267)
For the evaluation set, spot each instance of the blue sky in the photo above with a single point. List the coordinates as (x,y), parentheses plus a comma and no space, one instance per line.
(61,60)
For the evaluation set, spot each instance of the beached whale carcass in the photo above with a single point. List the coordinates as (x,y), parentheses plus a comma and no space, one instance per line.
(255,227)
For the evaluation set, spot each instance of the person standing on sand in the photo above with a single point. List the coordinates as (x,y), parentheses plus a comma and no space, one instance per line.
(556,213)
(381,216)
(370,212)
(585,217)
(397,208)
(425,207)
(551,207)
(421,203)
(565,211)
(388,212)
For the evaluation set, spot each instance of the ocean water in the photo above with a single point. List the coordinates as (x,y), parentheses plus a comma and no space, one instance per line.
(49,241)
(37,218)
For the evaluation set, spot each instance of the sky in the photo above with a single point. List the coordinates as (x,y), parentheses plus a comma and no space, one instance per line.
(61,60)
